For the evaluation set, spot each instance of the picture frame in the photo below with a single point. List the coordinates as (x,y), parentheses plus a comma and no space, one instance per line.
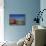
(17,19)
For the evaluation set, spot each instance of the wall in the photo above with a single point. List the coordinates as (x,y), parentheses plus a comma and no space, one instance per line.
(42,6)
(27,7)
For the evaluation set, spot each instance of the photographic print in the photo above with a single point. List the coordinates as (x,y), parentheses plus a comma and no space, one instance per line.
(17,19)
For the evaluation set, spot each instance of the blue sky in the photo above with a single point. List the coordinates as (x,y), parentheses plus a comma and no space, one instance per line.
(17,16)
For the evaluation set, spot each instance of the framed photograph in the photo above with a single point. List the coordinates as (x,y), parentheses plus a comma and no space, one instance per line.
(17,19)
